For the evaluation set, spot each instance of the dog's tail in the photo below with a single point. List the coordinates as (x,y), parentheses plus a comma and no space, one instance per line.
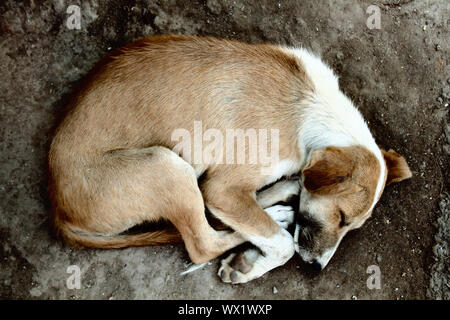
(81,238)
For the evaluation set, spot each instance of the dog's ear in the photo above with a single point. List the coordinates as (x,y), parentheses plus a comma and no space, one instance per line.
(327,171)
(397,167)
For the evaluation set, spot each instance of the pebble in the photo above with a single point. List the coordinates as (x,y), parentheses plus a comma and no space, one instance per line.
(275,291)
(379,259)
(446,95)
(354,298)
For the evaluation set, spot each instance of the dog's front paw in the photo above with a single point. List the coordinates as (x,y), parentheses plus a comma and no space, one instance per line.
(283,215)
(237,267)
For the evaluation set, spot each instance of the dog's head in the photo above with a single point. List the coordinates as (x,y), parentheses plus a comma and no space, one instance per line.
(340,188)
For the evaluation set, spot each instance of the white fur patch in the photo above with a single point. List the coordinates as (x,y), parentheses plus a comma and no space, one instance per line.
(282,215)
(283,168)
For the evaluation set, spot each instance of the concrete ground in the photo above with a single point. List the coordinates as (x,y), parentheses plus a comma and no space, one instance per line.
(398,75)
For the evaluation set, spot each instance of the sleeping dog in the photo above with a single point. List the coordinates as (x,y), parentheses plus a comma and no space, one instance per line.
(114,162)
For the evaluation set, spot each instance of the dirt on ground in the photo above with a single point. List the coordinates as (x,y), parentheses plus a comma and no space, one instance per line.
(398,76)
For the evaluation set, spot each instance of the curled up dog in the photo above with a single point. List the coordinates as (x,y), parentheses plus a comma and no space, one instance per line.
(115,161)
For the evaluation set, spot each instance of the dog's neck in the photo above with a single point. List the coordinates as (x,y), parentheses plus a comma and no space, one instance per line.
(327,116)
(332,121)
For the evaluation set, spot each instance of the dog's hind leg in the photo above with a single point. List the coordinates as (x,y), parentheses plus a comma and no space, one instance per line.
(126,187)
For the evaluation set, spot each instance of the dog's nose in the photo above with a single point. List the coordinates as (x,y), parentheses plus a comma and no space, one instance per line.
(316,265)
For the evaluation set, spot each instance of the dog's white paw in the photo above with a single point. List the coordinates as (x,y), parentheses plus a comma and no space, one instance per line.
(225,269)
(237,267)
(283,215)
(253,263)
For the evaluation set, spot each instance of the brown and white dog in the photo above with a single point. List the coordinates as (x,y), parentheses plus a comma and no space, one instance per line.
(112,164)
